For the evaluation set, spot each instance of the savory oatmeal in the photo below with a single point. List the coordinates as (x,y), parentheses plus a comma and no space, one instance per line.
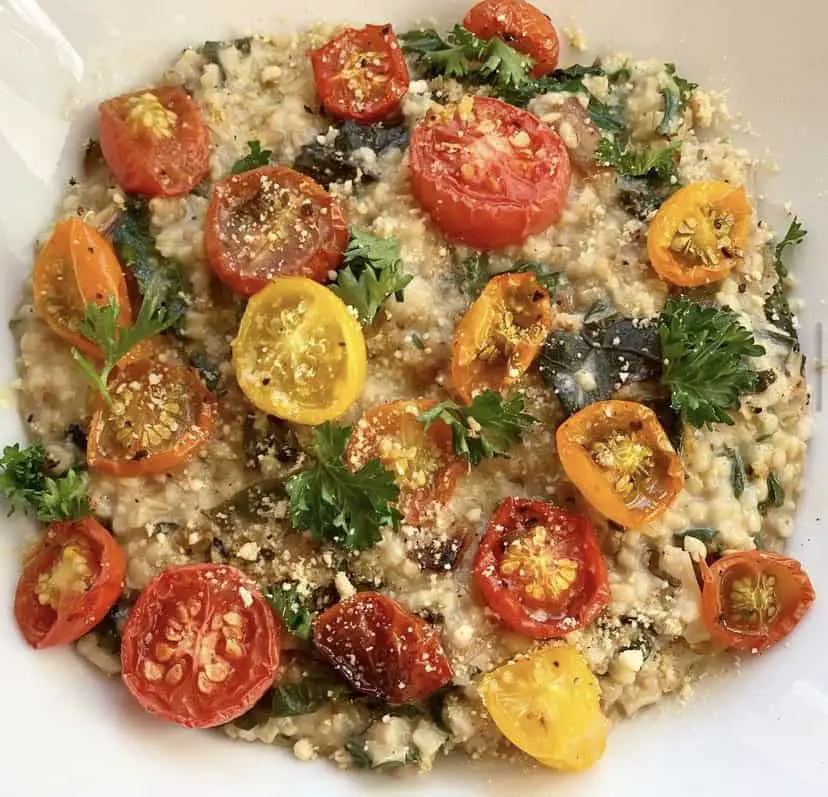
(399,394)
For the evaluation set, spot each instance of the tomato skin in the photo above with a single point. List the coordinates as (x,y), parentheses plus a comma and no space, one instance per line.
(169,159)
(234,215)
(660,479)
(44,625)
(137,458)
(479,187)
(396,423)
(510,303)
(187,620)
(383,79)
(522,26)
(690,203)
(381,649)
(77,266)
(792,592)
(576,604)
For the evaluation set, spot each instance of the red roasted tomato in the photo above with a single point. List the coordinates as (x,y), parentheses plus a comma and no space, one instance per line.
(540,569)
(754,599)
(155,141)
(520,24)
(361,75)
(200,646)
(489,174)
(272,222)
(381,649)
(69,583)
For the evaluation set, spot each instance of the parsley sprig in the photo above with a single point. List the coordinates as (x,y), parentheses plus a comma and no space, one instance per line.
(293,609)
(634,162)
(704,351)
(25,481)
(461,54)
(100,325)
(793,237)
(487,428)
(336,505)
(372,273)
(254,159)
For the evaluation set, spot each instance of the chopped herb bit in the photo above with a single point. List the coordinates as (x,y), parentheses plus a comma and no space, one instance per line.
(550,280)
(208,370)
(361,758)
(28,486)
(676,97)
(793,237)
(293,609)
(737,473)
(372,273)
(777,305)
(704,351)
(487,428)
(474,274)
(334,504)
(256,158)
(135,245)
(651,162)
(776,496)
(418,342)
(294,700)
(100,326)
(706,535)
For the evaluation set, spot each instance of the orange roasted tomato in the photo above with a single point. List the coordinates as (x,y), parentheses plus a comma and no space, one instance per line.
(161,415)
(155,141)
(422,461)
(77,266)
(619,457)
(540,569)
(501,334)
(699,234)
(754,599)
(69,583)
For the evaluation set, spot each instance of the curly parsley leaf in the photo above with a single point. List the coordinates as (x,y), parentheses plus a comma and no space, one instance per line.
(372,273)
(652,162)
(135,246)
(100,326)
(793,237)
(28,487)
(504,66)
(703,351)
(254,159)
(487,428)
(294,610)
(334,504)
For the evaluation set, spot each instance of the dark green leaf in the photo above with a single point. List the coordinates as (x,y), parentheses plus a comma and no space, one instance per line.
(704,351)
(737,472)
(487,428)
(473,274)
(550,280)
(706,535)
(208,370)
(776,495)
(362,760)
(793,237)
(418,342)
(676,97)
(294,610)
(655,163)
(294,700)
(256,158)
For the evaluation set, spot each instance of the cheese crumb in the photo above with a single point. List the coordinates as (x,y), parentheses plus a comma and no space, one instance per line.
(304,750)
(576,38)
(344,586)
(249,552)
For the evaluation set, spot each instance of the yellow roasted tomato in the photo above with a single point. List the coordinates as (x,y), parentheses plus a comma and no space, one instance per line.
(699,234)
(299,353)
(548,704)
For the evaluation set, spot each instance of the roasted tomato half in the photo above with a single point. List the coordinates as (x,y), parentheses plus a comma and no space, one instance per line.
(76,267)
(299,353)
(272,222)
(522,26)
(540,569)
(699,234)
(548,703)
(69,582)
(155,141)
(619,457)
(499,337)
(487,173)
(161,415)
(381,649)
(361,74)
(423,462)
(754,599)
(200,645)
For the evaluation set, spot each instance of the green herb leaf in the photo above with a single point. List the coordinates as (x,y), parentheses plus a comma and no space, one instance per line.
(793,237)
(473,274)
(100,326)
(372,273)
(776,495)
(362,760)
(676,97)
(135,245)
(25,481)
(487,428)
(504,66)
(256,158)
(334,504)
(293,609)
(651,162)
(294,700)
(548,279)
(703,351)
(706,535)
(737,473)
(418,342)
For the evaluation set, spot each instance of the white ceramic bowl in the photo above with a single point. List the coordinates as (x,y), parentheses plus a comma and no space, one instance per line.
(67,730)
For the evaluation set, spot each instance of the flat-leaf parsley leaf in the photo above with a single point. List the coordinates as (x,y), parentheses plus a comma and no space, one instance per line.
(254,159)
